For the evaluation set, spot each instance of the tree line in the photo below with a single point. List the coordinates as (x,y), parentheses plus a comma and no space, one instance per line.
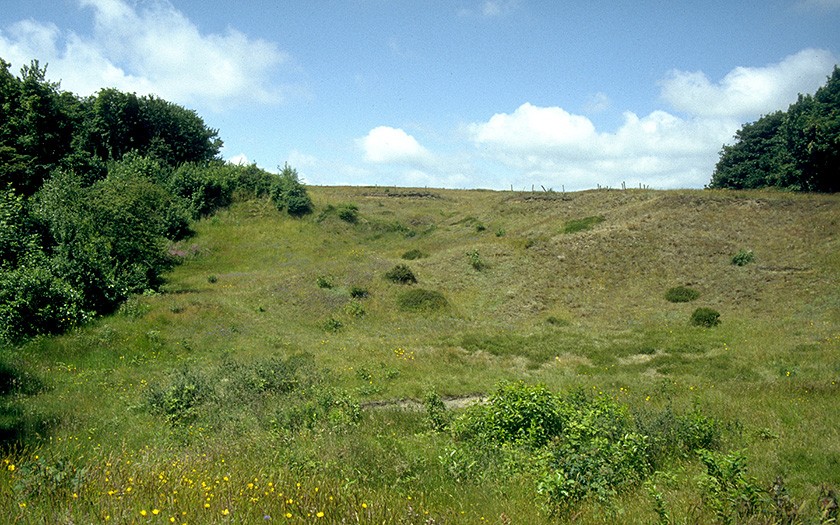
(797,149)
(93,191)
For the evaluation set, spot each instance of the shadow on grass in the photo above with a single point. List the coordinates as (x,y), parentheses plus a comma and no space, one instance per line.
(17,427)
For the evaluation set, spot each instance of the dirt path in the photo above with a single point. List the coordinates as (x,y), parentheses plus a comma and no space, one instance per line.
(451,402)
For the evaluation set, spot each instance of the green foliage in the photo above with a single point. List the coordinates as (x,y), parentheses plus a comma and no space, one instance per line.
(401,274)
(358,292)
(325,281)
(355,309)
(33,300)
(476,261)
(681,294)
(796,149)
(515,413)
(413,254)
(437,416)
(289,194)
(727,491)
(573,446)
(348,213)
(706,317)
(421,300)
(743,257)
(17,233)
(180,400)
(579,225)
(333,325)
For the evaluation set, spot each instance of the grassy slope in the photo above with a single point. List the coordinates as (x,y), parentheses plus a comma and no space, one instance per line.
(771,368)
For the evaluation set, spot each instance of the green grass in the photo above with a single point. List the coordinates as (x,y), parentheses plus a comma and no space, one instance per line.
(285,401)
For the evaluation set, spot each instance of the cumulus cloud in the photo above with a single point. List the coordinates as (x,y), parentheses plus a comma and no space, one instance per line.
(385,144)
(150,48)
(551,146)
(748,91)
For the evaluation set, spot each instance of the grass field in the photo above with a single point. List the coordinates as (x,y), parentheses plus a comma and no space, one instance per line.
(280,376)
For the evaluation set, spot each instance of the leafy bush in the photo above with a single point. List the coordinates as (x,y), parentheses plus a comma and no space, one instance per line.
(578,225)
(681,294)
(348,213)
(727,491)
(357,292)
(333,325)
(35,301)
(419,299)
(401,274)
(705,317)
(411,255)
(743,257)
(289,194)
(355,309)
(476,261)
(437,416)
(180,400)
(514,413)
(325,281)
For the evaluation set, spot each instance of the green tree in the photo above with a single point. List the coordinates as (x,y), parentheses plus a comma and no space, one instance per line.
(289,194)
(797,149)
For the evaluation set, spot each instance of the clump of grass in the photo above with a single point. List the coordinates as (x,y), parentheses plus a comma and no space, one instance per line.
(401,274)
(354,309)
(681,294)
(422,300)
(579,225)
(325,281)
(707,317)
(357,292)
(212,279)
(411,255)
(743,257)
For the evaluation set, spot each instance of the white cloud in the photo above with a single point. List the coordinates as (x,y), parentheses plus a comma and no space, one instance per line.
(749,91)
(150,48)
(551,146)
(239,160)
(385,144)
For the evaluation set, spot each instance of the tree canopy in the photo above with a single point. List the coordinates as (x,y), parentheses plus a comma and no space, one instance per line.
(93,191)
(797,149)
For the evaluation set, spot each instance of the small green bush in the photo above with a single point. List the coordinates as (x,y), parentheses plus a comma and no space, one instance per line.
(357,292)
(348,213)
(743,257)
(705,317)
(333,325)
(411,255)
(354,309)
(556,321)
(681,294)
(289,194)
(476,261)
(325,281)
(401,274)
(422,300)
(181,399)
(579,225)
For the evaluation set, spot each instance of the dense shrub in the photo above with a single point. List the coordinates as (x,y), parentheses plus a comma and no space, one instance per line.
(574,447)
(419,299)
(35,301)
(179,401)
(401,274)
(358,292)
(705,317)
(743,258)
(681,294)
(289,194)
(348,213)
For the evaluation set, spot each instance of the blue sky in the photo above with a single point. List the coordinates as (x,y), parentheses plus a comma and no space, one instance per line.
(459,93)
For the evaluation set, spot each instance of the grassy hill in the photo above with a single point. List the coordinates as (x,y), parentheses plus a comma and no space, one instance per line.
(278,358)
